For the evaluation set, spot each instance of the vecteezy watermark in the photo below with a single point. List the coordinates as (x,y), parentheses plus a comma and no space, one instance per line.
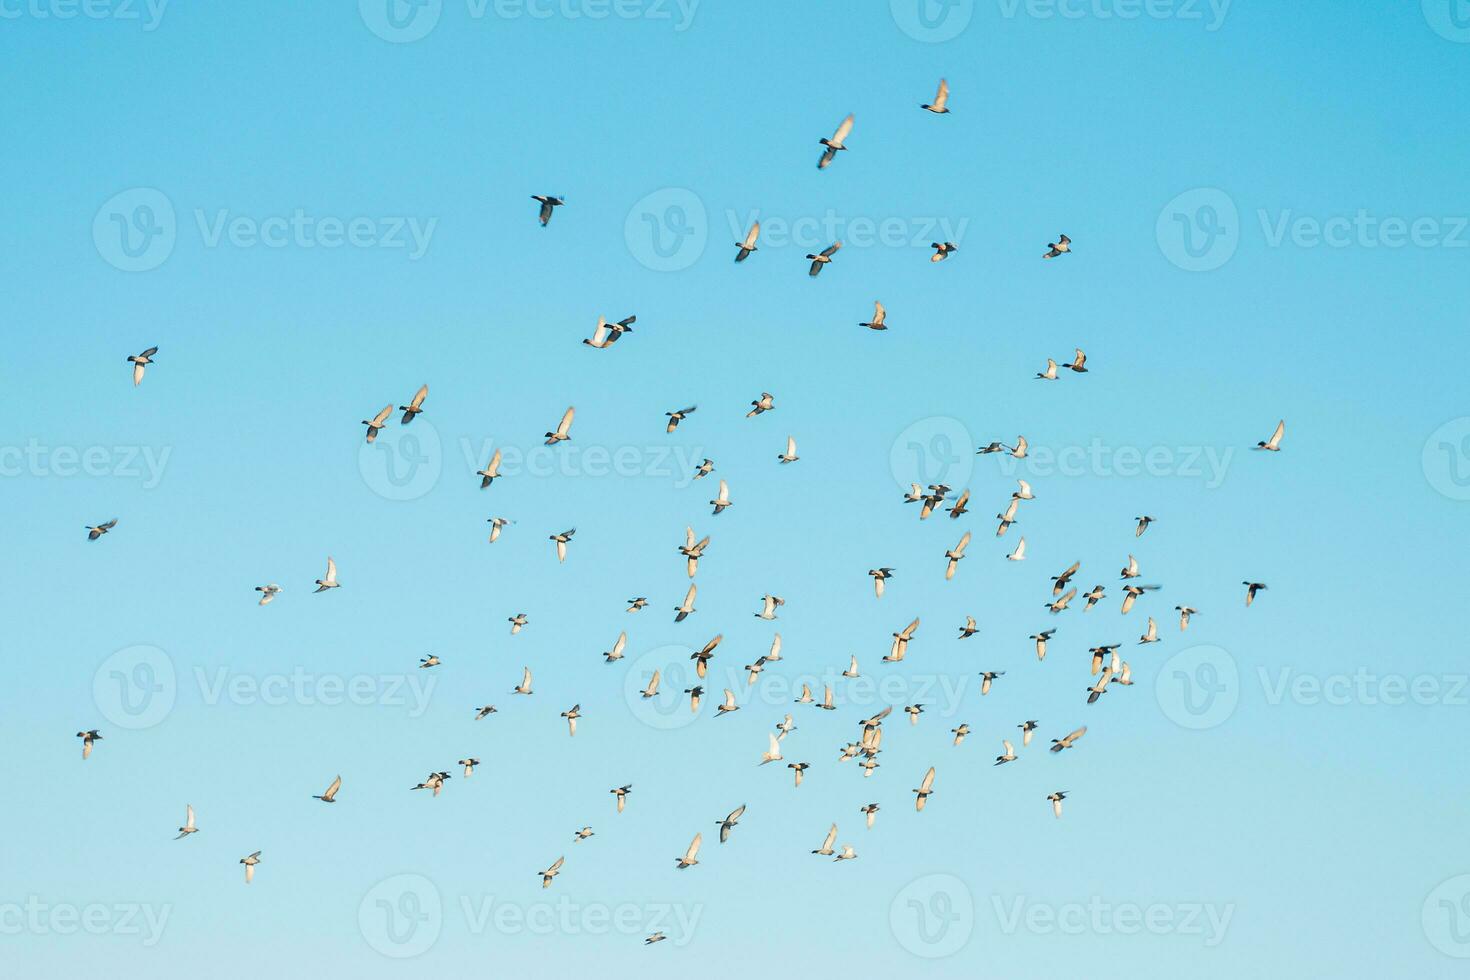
(1207,921)
(816,231)
(404,461)
(305,688)
(145,463)
(148,13)
(1445,917)
(401,916)
(137,230)
(1207,463)
(135,687)
(1364,687)
(1446,459)
(933,916)
(403,21)
(935,450)
(1210,13)
(1199,230)
(667,230)
(37,917)
(932,21)
(1450,19)
(655,462)
(1198,687)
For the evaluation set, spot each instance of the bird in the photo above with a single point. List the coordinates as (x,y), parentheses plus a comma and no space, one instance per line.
(806,695)
(1050,374)
(1143,523)
(1079,361)
(747,245)
(1184,613)
(1027,728)
(1123,675)
(496,523)
(824,257)
(524,687)
(798,768)
(722,499)
(729,704)
(1056,802)
(1068,740)
(704,469)
(994,447)
(847,853)
(657,937)
(1150,635)
(925,790)
(431,660)
(880,576)
(1059,582)
(490,472)
(1131,594)
(635,604)
(1130,570)
(769,605)
(785,727)
(616,653)
(1062,245)
(852,667)
(329,795)
(836,144)
(969,629)
(678,416)
(571,715)
(955,556)
(957,508)
(329,580)
(95,532)
(773,752)
(469,766)
(651,690)
(870,811)
(942,250)
(517,622)
(434,782)
(827,704)
(377,422)
(1022,491)
(267,593)
(938,106)
(414,406)
(789,456)
(960,732)
(1009,755)
(826,848)
(682,611)
(1019,449)
(1251,588)
(551,872)
(141,362)
(621,795)
(986,678)
(548,202)
(702,656)
(1099,654)
(618,327)
(485,712)
(599,339)
(581,835)
(188,827)
(914,711)
(1020,553)
(1060,603)
(1099,688)
(879,316)
(1093,597)
(1007,517)
(561,540)
(1041,639)
(901,642)
(563,428)
(728,824)
(250,861)
(1273,444)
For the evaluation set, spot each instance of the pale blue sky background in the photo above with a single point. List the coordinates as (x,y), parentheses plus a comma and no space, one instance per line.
(1320,830)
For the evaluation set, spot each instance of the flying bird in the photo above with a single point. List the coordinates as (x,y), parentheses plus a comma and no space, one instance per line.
(188,827)
(621,794)
(789,456)
(748,244)
(561,540)
(551,872)
(1061,246)
(377,422)
(1056,802)
(1050,374)
(955,556)
(824,257)
(1027,728)
(727,824)
(901,642)
(1079,361)
(1041,639)
(490,472)
(496,523)
(870,811)
(517,623)
(616,653)
(942,250)
(1009,755)
(879,317)
(267,593)
(430,661)
(652,689)
(773,752)
(1068,740)
(563,428)
(571,715)
(969,629)
(328,581)
(1020,553)
(95,532)
(524,687)
(250,861)
(986,678)
(1184,613)
(329,795)
(140,362)
(548,202)
(1143,523)
(682,611)
(1251,588)
(880,575)
(941,98)
(769,605)
(826,848)
(722,499)
(414,406)
(469,766)
(836,144)
(676,417)
(484,712)
(1273,444)
(925,790)
(798,768)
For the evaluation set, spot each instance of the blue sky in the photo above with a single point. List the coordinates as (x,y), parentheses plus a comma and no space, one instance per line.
(327,207)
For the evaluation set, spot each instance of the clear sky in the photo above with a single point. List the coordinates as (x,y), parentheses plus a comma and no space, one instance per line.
(313,209)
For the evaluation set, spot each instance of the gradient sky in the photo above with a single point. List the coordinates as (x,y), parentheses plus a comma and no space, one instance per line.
(1189,152)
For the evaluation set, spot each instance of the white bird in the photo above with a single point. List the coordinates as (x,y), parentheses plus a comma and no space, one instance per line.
(267,593)
(704,469)
(879,316)
(1100,688)
(517,622)
(621,794)
(551,872)
(434,782)
(960,732)
(1131,569)
(728,706)
(789,456)
(377,422)
(847,853)
(88,738)
(690,858)
(524,687)
(955,509)
(986,678)
(1009,755)
(901,642)
(561,540)
(693,550)
(140,362)
(938,106)
(490,472)
(432,660)
(415,405)
(1060,603)
(1184,613)
(826,848)
(469,766)
(836,144)
(329,795)
(1056,802)
(769,605)
(188,827)
(563,428)
(969,629)
(1151,635)
(925,790)
(250,861)
(652,689)
(784,727)
(634,605)
(571,715)
(1050,374)
(729,822)
(1068,740)
(1273,444)
(765,403)
(496,523)
(1020,553)
(1079,361)
(1062,245)
(581,835)
(1027,729)
(328,581)
(956,555)
(1019,449)
(683,610)
(852,667)
(880,575)
(870,811)
(773,753)
(747,245)
(616,653)
(722,500)
(599,339)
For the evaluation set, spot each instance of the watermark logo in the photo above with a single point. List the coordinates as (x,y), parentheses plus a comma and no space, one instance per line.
(933,916)
(136,687)
(1181,10)
(1199,230)
(148,12)
(400,21)
(135,230)
(1446,917)
(404,462)
(401,917)
(1446,459)
(1198,687)
(1450,19)
(667,231)
(1206,921)
(938,449)
(932,21)
(126,919)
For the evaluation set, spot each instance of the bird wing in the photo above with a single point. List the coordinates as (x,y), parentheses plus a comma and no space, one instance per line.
(331,570)
(689,596)
(382,416)
(942,96)
(928,780)
(565,425)
(830,839)
(1275,439)
(790,446)
(526,678)
(332,789)
(419,396)
(600,334)
(843,129)
(755,233)
(831,250)
(653,683)
(964,543)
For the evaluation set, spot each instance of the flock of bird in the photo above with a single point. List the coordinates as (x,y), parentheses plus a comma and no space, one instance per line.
(1107,665)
